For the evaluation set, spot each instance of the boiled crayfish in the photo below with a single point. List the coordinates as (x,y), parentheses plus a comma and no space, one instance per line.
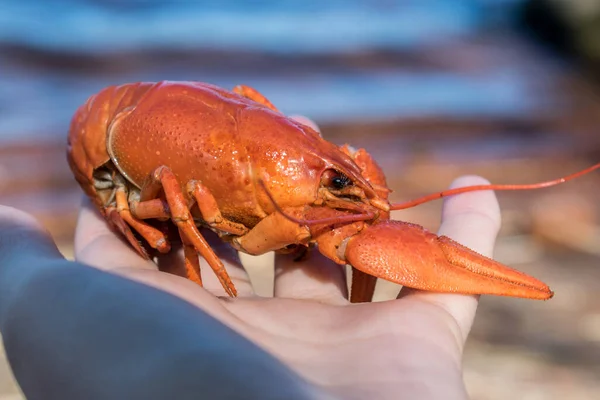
(202,156)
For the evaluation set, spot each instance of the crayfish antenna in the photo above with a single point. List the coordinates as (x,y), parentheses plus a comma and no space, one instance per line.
(465,189)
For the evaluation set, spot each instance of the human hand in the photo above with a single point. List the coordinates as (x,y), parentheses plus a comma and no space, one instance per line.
(73,332)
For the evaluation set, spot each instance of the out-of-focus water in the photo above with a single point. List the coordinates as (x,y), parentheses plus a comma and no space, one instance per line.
(54,54)
(278,26)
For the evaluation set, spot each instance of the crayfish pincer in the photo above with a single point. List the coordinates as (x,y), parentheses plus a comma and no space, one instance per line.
(163,156)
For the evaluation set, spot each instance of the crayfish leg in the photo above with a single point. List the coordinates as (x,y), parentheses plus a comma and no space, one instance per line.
(153,236)
(190,235)
(192,263)
(207,204)
(363,286)
(272,233)
(119,223)
(253,94)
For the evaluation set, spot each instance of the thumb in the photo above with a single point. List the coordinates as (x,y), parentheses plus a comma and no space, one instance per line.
(25,249)
(23,237)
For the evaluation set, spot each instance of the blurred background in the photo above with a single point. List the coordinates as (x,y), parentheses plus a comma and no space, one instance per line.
(506,89)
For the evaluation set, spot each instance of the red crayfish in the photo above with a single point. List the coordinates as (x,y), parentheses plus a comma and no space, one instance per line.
(201,156)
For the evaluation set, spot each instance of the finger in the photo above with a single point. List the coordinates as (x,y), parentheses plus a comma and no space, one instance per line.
(315,278)
(97,245)
(306,121)
(472,219)
(26,248)
(22,236)
(228,255)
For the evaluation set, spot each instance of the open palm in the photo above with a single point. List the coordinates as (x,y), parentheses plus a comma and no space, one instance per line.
(406,348)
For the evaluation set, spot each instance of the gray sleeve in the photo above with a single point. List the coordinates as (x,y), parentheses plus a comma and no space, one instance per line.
(74,332)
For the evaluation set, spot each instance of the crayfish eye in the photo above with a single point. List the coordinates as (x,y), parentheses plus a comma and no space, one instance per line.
(340,181)
(336,180)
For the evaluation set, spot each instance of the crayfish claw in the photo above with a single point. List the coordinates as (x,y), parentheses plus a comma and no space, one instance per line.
(411,256)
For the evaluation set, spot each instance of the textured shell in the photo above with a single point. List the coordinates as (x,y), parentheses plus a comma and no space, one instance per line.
(202,132)
(86,147)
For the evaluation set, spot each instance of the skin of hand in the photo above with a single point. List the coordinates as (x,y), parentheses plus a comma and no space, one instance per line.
(111,325)
(72,331)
